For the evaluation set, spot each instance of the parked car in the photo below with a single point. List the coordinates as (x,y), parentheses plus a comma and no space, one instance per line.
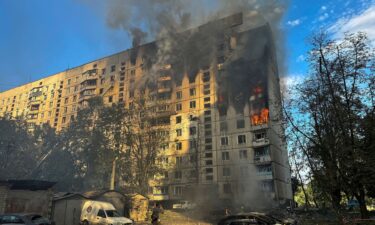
(24,219)
(97,212)
(255,218)
(184,205)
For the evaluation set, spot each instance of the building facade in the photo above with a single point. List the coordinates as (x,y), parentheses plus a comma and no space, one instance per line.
(226,138)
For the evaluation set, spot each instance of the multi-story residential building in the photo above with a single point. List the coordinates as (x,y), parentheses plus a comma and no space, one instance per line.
(226,138)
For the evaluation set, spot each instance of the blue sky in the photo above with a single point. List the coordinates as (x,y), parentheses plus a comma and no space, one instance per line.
(42,37)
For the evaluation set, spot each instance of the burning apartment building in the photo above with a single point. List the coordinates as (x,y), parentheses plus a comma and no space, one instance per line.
(220,99)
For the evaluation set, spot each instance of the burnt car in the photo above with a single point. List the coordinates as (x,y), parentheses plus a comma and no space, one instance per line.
(24,219)
(255,218)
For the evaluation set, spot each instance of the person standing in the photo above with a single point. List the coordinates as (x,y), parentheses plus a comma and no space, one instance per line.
(155,216)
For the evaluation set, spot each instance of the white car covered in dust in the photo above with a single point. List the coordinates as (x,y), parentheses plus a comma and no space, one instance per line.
(103,213)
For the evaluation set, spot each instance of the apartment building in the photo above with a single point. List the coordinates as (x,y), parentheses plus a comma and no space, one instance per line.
(226,138)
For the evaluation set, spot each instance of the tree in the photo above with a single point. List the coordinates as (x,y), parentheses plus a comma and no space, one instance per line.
(330,113)
(18,154)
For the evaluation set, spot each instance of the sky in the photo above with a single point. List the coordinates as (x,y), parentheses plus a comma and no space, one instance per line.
(41,37)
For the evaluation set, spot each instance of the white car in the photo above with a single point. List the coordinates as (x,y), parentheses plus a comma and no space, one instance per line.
(184,205)
(103,213)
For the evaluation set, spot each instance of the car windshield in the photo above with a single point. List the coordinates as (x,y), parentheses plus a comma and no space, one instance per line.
(112,213)
(10,220)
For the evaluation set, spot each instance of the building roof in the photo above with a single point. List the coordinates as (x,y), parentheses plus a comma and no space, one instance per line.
(32,185)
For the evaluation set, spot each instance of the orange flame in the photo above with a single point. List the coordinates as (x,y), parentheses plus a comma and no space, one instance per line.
(261,118)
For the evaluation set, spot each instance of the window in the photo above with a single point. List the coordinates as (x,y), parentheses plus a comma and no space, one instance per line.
(178,146)
(192,91)
(226,171)
(209,177)
(103,71)
(179,94)
(207,99)
(113,68)
(132,73)
(178,107)
(178,175)
(192,130)
(207,105)
(243,154)
(240,124)
(206,87)
(207,119)
(206,92)
(259,136)
(208,155)
(241,139)
(225,155)
(110,98)
(208,140)
(63,119)
(209,170)
(179,132)
(178,119)
(101,213)
(227,188)
(207,126)
(192,104)
(66,100)
(177,190)
(224,141)
(208,162)
(206,77)
(207,113)
(223,126)
(69,82)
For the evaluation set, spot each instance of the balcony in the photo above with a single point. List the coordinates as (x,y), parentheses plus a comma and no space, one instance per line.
(261,142)
(35,94)
(263,159)
(164,89)
(264,175)
(91,72)
(259,127)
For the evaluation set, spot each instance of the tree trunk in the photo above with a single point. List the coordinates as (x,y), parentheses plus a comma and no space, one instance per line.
(362,204)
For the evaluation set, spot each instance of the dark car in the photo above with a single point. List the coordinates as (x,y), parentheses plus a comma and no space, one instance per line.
(254,218)
(24,219)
